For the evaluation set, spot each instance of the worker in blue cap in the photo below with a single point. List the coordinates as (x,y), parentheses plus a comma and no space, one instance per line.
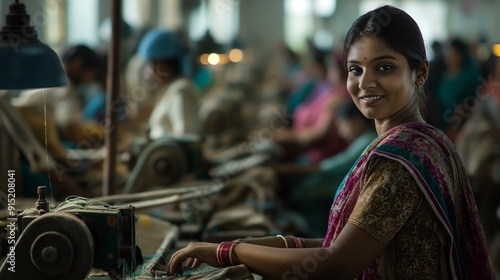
(176,111)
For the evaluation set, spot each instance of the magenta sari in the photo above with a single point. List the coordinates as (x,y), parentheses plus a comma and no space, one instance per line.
(438,170)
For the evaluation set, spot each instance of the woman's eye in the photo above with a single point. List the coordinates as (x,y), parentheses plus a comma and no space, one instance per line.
(384,68)
(355,70)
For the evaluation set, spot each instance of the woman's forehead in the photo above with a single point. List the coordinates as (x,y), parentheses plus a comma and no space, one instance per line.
(367,48)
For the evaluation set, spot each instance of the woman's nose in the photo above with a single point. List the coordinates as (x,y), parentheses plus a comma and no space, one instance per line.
(367,81)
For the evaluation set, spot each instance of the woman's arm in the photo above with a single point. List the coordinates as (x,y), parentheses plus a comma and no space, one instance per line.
(278,242)
(353,250)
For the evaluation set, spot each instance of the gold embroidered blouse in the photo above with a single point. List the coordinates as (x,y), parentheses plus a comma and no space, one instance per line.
(393,209)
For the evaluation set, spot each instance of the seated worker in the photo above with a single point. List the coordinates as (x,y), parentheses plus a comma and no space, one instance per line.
(479,146)
(456,86)
(63,105)
(313,196)
(314,136)
(176,111)
(94,97)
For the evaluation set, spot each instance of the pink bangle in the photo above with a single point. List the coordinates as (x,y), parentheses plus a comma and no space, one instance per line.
(295,241)
(225,253)
(302,242)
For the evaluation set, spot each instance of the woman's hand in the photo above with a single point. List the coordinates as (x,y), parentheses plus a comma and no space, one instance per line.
(195,253)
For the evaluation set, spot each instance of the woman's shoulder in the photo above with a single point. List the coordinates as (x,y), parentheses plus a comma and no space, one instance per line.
(416,141)
(417,133)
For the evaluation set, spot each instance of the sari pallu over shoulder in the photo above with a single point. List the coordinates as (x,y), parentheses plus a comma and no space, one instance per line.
(438,170)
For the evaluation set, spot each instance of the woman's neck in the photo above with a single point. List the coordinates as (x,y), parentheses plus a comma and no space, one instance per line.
(411,114)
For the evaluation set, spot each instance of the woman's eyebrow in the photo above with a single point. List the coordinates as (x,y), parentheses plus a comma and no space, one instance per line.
(375,59)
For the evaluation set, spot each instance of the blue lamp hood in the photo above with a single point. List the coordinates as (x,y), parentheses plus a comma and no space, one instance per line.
(26,62)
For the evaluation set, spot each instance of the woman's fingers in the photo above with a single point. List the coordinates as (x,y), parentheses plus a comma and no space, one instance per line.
(189,262)
(175,264)
(195,263)
(192,262)
(195,254)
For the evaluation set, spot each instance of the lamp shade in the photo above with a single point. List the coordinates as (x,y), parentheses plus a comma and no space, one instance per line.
(25,61)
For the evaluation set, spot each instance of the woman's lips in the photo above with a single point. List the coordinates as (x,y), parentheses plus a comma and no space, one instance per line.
(371,100)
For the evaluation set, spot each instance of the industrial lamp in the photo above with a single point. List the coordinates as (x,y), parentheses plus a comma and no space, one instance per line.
(26,62)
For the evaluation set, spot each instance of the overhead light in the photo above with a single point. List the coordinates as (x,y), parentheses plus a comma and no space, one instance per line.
(213,59)
(204,59)
(236,55)
(496,50)
(26,62)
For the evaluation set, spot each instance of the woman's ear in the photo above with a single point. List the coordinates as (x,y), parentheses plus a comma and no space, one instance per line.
(423,72)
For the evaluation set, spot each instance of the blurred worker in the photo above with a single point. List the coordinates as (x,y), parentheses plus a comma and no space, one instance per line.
(308,82)
(176,111)
(94,97)
(314,136)
(459,81)
(63,105)
(436,70)
(479,146)
(312,196)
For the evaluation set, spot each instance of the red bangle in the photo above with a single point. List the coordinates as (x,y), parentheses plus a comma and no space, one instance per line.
(225,253)
(302,242)
(295,241)
(225,247)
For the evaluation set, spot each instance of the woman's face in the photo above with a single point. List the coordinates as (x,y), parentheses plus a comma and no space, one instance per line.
(380,80)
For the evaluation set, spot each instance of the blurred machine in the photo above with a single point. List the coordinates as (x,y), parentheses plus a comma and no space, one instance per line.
(163,162)
(71,240)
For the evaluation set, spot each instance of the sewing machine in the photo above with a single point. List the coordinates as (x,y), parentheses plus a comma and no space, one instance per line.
(71,240)
(81,236)
(163,162)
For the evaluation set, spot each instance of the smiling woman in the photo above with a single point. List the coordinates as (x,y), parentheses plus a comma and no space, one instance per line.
(382,84)
(380,81)
(406,209)
(387,70)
